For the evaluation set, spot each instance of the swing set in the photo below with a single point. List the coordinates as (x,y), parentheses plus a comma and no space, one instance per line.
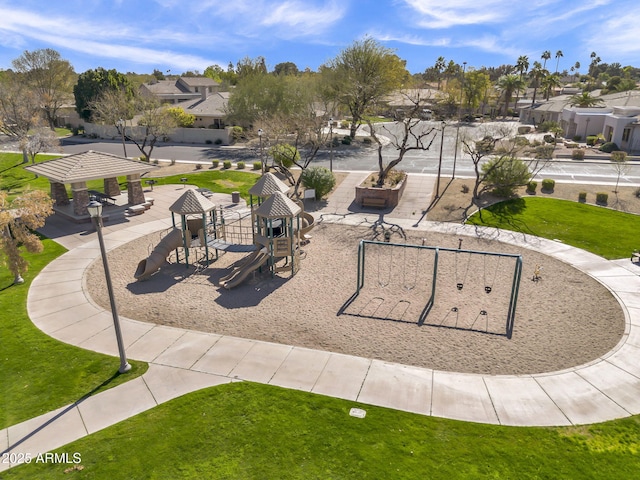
(409,279)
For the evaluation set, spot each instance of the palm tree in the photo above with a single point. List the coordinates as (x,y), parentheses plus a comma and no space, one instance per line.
(584,100)
(546,55)
(537,73)
(559,54)
(522,65)
(549,82)
(508,84)
(577,67)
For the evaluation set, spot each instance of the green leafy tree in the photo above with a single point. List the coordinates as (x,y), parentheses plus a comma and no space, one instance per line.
(476,84)
(50,76)
(559,55)
(538,72)
(286,68)
(504,174)
(584,100)
(284,154)
(549,83)
(92,83)
(361,75)
(18,219)
(182,118)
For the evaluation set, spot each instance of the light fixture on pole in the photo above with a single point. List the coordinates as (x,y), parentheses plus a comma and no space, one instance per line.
(95,212)
(440,160)
(121,124)
(260,132)
(331,144)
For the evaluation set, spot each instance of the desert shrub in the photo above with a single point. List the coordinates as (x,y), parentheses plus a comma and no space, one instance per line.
(545,151)
(582,197)
(257,165)
(284,154)
(226,164)
(522,141)
(591,140)
(335,141)
(571,144)
(240,165)
(577,138)
(504,174)
(172,161)
(608,147)
(548,138)
(237,133)
(198,166)
(524,129)
(215,163)
(548,126)
(346,140)
(602,198)
(367,140)
(218,141)
(344,124)
(531,186)
(208,141)
(618,156)
(548,184)
(465,188)
(321,179)
(577,154)
(394,177)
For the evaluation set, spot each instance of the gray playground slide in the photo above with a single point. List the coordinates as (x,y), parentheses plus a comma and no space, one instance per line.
(256,260)
(151,265)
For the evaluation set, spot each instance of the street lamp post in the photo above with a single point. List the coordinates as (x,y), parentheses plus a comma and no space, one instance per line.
(455,147)
(440,161)
(331,144)
(260,132)
(95,211)
(121,124)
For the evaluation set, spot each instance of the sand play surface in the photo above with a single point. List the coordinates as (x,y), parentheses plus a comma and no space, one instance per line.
(564,320)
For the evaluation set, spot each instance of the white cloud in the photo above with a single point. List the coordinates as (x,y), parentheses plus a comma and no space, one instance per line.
(438,14)
(307,20)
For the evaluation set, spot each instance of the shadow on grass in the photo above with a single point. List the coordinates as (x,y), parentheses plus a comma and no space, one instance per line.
(506,215)
(61,414)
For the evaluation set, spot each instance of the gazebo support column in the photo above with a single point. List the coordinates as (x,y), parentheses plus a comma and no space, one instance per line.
(135,194)
(80,198)
(59,194)
(111,187)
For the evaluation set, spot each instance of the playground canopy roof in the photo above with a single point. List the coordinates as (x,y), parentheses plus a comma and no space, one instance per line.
(267,185)
(89,165)
(278,205)
(192,202)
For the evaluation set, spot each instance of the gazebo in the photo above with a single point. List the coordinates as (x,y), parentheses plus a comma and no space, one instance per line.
(78,169)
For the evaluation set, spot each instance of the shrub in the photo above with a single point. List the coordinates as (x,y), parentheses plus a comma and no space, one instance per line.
(198,166)
(522,141)
(321,179)
(226,164)
(548,126)
(504,174)
(548,184)
(173,161)
(240,165)
(367,140)
(577,138)
(237,133)
(618,156)
(346,140)
(591,140)
(215,163)
(531,186)
(284,154)
(545,151)
(577,154)
(336,141)
(208,141)
(548,138)
(582,197)
(524,129)
(608,147)
(465,188)
(257,165)
(344,124)
(602,198)
(218,141)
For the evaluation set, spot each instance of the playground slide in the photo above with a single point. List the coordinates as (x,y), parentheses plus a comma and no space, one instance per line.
(238,276)
(309,220)
(151,265)
(239,265)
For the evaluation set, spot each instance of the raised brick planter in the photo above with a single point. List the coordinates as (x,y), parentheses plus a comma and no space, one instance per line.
(373,196)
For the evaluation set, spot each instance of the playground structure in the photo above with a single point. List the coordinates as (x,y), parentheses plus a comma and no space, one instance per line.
(397,268)
(271,231)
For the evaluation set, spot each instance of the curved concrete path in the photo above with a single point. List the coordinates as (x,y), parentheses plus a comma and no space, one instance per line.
(182,361)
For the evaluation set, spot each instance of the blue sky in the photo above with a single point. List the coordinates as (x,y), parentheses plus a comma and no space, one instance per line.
(179,35)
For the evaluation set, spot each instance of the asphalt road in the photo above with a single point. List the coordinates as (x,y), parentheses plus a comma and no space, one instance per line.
(366,158)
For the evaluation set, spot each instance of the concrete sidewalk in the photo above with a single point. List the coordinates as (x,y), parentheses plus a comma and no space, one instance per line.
(182,361)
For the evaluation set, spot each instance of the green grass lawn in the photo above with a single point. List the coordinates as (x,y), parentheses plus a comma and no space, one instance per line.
(251,431)
(220,181)
(15,179)
(40,374)
(608,233)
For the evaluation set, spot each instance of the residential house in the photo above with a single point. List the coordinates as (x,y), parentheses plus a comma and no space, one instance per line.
(210,110)
(182,89)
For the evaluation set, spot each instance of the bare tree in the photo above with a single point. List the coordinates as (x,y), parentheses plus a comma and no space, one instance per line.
(19,110)
(42,140)
(18,219)
(408,134)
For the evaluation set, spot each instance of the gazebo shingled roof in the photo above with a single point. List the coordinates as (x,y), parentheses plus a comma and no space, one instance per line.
(89,165)
(278,205)
(192,202)
(267,185)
